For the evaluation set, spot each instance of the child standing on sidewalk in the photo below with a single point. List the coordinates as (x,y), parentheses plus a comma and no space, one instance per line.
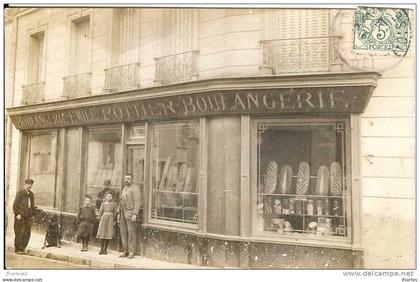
(107,213)
(86,218)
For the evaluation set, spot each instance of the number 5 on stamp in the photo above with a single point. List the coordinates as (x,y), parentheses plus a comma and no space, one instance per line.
(381,29)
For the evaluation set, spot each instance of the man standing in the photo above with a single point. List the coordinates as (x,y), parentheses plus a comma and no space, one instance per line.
(24,210)
(130,203)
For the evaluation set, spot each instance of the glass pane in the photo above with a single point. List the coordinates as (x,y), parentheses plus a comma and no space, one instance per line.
(301,179)
(42,167)
(104,166)
(72,174)
(175,161)
(135,164)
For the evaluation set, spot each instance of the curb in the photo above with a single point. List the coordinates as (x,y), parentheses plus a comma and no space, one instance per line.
(93,263)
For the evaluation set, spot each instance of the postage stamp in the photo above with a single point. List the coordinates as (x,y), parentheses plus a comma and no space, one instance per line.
(381,29)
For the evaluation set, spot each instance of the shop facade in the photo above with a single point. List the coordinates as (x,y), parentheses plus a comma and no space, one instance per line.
(220,170)
(237,168)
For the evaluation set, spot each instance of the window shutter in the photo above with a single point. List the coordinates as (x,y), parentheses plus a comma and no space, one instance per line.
(181,30)
(40,59)
(128,37)
(81,47)
(302,39)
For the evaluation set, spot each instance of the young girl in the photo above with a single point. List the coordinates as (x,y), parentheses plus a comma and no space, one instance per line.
(107,212)
(86,218)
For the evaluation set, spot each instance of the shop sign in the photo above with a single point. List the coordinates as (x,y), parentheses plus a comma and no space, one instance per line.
(321,100)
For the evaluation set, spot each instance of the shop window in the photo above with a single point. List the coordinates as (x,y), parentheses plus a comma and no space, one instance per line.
(104,163)
(42,167)
(174,171)
(301,180)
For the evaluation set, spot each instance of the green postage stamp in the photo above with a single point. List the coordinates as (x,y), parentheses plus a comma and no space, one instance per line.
(382,29)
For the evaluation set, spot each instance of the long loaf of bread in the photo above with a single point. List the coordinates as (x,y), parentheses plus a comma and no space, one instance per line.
(284,180)
(270,181)
(163,181)
(336,179)
(302,184)
(321,188)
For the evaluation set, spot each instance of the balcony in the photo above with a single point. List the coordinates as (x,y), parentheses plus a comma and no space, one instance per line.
(177,68)
(301,55)
(33,93)
(124,77)
(77,85)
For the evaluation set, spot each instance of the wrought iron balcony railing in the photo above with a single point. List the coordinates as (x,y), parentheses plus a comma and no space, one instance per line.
(300,55)
(77,85)
(33,93)
(177,68)
(122,77)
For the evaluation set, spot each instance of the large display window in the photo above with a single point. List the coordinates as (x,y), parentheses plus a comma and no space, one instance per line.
(174,172)
(301,183)
(104,161)
(42,168)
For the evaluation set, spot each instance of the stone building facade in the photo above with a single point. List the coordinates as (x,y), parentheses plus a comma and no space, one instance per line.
(222,115)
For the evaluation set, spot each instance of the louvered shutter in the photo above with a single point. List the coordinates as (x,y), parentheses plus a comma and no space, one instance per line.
(303,43)
(182,30)
(40,58)
(128,37)
(81,47)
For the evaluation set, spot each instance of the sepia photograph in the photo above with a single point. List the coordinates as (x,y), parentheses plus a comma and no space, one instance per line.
(210,137)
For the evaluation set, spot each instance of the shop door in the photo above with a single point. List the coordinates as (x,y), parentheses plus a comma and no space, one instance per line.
(135,164)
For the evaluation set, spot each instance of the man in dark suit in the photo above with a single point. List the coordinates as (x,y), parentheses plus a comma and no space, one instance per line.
(24,210)
(129,207)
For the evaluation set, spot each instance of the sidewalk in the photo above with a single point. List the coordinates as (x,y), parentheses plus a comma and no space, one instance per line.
(70,252)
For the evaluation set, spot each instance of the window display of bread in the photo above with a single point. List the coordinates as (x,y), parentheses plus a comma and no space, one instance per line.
(270,180)
(284,180)
(336,179)
(322,179)
(302,184)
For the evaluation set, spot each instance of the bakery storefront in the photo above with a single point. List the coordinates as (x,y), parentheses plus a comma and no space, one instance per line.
(243,172)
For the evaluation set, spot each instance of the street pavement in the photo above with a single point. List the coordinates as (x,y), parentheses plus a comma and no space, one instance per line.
(14,261)
(70,253)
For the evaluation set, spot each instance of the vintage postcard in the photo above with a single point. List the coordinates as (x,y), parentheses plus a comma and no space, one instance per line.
(211,137)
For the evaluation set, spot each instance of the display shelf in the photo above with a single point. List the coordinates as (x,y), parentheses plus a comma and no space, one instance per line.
(301,197)
(308,215)
(175,192)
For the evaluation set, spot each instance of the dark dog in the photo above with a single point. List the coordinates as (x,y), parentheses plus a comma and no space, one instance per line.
(53,236)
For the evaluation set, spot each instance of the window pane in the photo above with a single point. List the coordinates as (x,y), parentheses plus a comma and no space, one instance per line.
(301,179)
(175,161)
(42,167)
(104,162)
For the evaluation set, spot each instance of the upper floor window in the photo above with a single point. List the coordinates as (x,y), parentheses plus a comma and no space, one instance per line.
(179,46)
(298,41)
(80,46)
(128,36)
(33,90)
(180,30)
(36,57)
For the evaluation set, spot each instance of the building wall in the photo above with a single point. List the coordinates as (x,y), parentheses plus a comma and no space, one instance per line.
(229,45)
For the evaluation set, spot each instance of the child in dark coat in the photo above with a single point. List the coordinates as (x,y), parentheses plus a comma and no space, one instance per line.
(86,218)
(53,236)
